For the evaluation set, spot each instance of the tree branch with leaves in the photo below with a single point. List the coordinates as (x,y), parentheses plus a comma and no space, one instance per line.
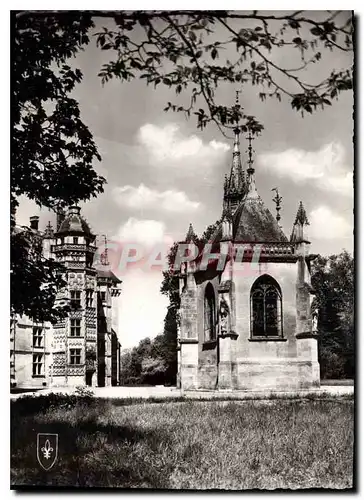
(180,50)
(53,151)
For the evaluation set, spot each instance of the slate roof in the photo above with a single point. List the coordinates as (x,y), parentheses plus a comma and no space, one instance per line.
(108,274)
(253,222)
(74,223)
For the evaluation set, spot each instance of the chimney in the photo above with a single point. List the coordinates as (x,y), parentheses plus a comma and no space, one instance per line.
(34,221)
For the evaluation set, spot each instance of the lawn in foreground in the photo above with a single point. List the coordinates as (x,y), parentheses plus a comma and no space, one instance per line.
(193,444)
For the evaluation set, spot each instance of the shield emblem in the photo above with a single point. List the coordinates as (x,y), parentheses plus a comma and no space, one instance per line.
(47,450)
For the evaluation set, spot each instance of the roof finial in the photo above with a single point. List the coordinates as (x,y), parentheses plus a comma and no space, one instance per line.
(237,103)
(104,256)
(252,190)
(277,200)
(237,128)
(250,151)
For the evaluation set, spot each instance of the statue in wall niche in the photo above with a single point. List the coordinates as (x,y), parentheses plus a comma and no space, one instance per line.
(314,320)
(224,314)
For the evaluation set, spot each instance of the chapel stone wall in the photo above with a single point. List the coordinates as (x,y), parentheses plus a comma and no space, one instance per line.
(285,275)
(207,351)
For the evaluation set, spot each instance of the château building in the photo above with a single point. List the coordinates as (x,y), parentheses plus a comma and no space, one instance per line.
(247,324)
(82,348)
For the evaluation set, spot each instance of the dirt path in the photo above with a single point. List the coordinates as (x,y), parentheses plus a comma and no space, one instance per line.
(173,392)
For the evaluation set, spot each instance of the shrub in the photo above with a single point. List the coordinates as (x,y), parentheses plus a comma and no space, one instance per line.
(332,365)
(83,392)
(29,405)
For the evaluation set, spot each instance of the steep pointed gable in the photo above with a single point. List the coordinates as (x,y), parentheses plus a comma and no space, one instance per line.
(253,222)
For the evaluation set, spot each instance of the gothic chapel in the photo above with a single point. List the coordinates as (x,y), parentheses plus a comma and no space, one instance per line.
(249,325)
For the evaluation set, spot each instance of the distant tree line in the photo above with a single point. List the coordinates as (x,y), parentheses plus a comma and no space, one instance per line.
(154,361)
(333,280)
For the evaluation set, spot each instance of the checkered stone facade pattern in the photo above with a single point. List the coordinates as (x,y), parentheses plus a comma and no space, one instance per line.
(76,370)
(83,334)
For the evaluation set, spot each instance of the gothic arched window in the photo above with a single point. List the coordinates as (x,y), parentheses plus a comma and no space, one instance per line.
(266,308)
(209,313)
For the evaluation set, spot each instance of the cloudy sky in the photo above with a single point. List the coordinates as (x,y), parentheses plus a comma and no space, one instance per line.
(163,173)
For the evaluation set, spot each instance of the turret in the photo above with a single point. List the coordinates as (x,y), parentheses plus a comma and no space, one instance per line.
(235,186)
(189,267)
(73,240)
(191,236)
(299,234)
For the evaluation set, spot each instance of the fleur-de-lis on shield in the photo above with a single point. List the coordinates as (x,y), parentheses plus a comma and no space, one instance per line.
(47,450)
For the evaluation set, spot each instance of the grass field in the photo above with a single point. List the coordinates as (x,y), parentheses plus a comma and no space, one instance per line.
(193,444)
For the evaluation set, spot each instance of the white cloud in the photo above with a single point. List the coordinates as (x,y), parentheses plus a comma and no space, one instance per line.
(142,307)
(143,197)
(324,168)
(327,224)
(167,146)
(145,231)
(27,208)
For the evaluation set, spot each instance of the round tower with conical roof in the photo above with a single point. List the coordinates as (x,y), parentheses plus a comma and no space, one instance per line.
(75,337)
